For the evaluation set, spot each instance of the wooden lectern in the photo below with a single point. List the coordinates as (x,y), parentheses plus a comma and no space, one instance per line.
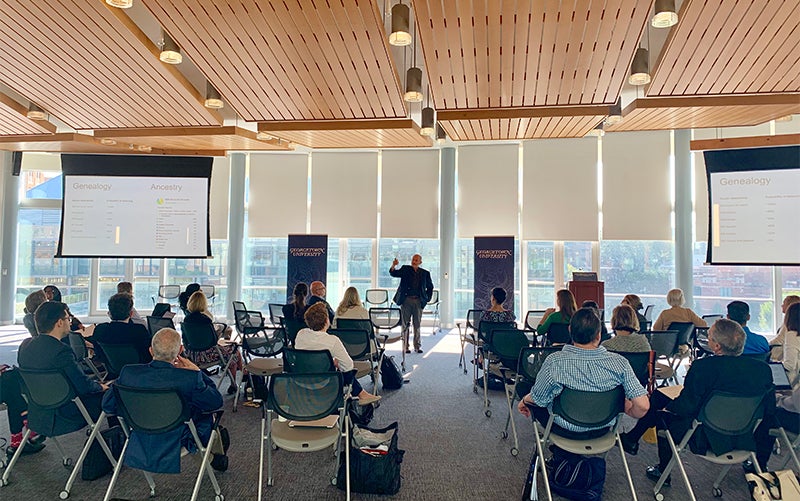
(587,291)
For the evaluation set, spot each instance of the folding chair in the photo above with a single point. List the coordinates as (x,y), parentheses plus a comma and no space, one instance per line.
(275,314)
(292,326)
(262,350)
(726,414)
(118,356)
(485,330)
(643,365)
(210,292)
(665,344)
(376,298)
(792,442)
(167,294)
(359,346)
(202,337)
(153,412)
(507,345)
(532,318)
(246,321)
(384,321)
(558,334)
(78,345)
(648,312)
(432,309)
(155,324)
(48,390)
(700,343)
(587,409)
(302,398)
(685,335)
(470,336)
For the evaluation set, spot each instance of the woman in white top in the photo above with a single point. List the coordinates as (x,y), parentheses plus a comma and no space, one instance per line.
(351,307)
(791,345)
(316,337)
(776,345)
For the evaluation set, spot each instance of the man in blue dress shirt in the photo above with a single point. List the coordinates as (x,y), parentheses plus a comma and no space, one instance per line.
(754,344)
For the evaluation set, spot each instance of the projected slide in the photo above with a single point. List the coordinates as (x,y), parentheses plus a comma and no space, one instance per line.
(135,216)
(755,216)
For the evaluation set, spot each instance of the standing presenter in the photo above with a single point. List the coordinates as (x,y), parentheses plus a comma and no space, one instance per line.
(412,295)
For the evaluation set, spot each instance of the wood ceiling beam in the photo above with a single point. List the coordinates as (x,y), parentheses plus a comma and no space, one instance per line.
(707,101)
(10,103)
(744,142)
(312,125)
(530,112)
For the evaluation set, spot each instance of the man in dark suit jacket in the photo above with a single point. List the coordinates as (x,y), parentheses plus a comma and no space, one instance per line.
(413,293)
(160,453)
(318,291)
(121,330)
(724,372)
(47,352)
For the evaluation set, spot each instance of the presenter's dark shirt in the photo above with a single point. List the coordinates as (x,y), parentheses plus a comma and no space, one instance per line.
(415,289)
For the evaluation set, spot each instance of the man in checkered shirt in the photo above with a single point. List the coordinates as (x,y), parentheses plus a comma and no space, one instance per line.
(585,366)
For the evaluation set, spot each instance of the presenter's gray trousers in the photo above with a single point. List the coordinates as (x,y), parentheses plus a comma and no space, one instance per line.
(411,311)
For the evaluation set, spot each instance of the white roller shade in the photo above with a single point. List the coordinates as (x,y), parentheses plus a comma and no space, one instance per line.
(637,198)
(487,190)
(560,189)
(410,194)
(344,194)
(48,162)
(278,193)
(218,201)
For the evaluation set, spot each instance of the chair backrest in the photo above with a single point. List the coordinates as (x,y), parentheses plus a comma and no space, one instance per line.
(292,326)
(305,397)
(664,343)
(531,360)
(532,319)
(711,319)
(209,291)
(731,414)
(264,342)
(376,297)
(434,297)
(643,365)
(276,313)
(558,333)
(198,337)
(307,361)
(238,306)
(763,357)
(645,325)
(648,312)
(485,329)
(169,291)
(120,355)
(384,318)
(589,409)
(507,344)
(78,345)
(355,341)
(362,324)
(685,330)
(46,389)
(149,410)
(247,321)
(155,324)
(474,319)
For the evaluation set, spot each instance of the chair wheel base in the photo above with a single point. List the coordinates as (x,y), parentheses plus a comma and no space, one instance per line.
(514,451)
(659,497)
(488,412)
(67,464)
(63,494)
(717,492)
(333,481)
(3,482)
(219,497)
(504,435)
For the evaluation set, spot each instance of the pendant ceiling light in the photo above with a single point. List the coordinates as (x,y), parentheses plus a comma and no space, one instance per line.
(401,35)
(36,113)
(170,52)
(213,99)
(665,14)
(640,68)
(615,113)
(440,135)
(428,122)
(120,4)
(413,85)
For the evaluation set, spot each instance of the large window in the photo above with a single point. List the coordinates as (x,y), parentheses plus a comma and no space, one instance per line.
(265,272)
(540,275)
(212,271)
(359,266)
(644,268)
(403,249)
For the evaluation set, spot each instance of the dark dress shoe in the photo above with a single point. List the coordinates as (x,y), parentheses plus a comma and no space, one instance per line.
(408,351)
(654,473)
(29,448)
(629,445)
(418,350)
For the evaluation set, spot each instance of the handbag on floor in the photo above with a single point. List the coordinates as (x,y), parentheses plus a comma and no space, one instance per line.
(374,461)
(96,463)
(391,377)
(778,485)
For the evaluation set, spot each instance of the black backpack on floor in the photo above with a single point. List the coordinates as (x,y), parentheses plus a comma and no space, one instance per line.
(391,377)
(373,472)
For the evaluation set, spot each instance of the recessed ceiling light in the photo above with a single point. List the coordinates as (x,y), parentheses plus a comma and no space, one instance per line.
(170,52)
(120,4)
(213,99)
(264,136)
(108,141)
(36,113)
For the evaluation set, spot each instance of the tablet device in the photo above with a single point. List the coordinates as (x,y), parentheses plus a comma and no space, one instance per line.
(159,309)
(779,379)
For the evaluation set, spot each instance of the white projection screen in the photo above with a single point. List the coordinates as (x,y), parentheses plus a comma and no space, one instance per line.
(135,206)
(754,205)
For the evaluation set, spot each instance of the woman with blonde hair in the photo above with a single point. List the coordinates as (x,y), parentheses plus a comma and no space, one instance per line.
(566,308)
(677,313)
(350,306)
(626,327)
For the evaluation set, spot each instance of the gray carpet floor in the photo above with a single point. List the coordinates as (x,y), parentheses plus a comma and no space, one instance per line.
(453,451)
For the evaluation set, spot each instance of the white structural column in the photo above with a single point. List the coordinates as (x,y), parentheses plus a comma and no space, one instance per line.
(236,230)
(683,215)
(447,234)
(8,247)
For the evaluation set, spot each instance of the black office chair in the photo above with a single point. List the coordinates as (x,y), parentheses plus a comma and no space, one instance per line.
(432,309)
(507,345)
(307,361)
(118,356)
(154,412)
(81,352)
(202,337)
(648,312)
(485,330)
(275,314)
(532,318)
(262,350)
(247,321)
(558,334)
(360,348)
(643,365)
(470,336)
(376,298)
(384,322)
(167,294)
(665,344)
(293,326)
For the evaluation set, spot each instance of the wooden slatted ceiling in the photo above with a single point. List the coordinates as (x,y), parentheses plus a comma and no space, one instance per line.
(731,47)
(13,120)
(88,65)
(519,128)
(698,113)
(196,138)
(66,142)
(396,133)
(289,59)
(516,53)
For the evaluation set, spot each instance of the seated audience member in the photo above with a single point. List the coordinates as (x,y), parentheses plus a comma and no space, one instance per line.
(604,335)
(677,313)
(127,288)
(47,352)
(726,372)
(739,312)
(496,312)
(198,314)
(566,308)
(776,345)
(52,293)
(161,453)
(120,330)
(318,291)
(351,307)
(791,345)
(183,297)
(626,326)
(316,337)
(11,395)
(32,302)
(586,366)
(297,308)
(635,302)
